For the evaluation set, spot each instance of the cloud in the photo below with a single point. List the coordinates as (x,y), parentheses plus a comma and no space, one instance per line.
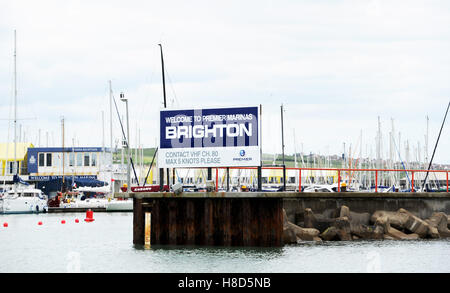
(336,66)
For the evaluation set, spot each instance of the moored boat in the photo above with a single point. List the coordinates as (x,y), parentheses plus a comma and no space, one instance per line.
(23,200)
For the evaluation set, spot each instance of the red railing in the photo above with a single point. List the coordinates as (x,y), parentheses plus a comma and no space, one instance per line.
(339,170)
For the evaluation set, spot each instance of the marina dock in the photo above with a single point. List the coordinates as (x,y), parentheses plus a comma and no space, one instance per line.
(255,218)
(74,210)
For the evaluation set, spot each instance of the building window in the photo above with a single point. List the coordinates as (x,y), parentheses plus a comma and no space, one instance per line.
(49,159)
(79,159)
(94,159)
(66,159)
(41,160)
(56,160)
(86,159)
(71,159)
(10,168)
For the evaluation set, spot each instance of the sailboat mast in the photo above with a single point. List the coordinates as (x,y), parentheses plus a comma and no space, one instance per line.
(15,171)
(111,136)
(63,155)
(282,148)
(161,176)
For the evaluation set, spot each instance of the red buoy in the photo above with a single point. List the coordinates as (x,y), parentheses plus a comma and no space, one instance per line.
(77,221)
(40,223)
(89,216)
(63,221)
(5,224)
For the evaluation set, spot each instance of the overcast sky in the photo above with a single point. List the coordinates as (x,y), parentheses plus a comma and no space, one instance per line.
(335,65)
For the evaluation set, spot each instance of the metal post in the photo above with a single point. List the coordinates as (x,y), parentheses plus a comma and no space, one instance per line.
(259,178)
(161,179)
(122,98)
(299,180)
(209,173)
(412,181)
(447,181)
(339,180)
(217,179)
(376,181)
(129,152)
(228,179)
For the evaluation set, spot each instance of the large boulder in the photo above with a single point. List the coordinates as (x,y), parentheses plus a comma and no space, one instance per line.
(378,232)
(387,237)
(309,219)
(289,236)
(366,232)
(285,218)
(396,219)
(344,212)
(357,218)
(330,234)
(439,221)
(416,225)
(342,225)
(302,234)
(391,232)
(319,222)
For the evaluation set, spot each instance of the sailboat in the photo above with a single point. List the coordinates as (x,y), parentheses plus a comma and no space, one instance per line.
(21,198)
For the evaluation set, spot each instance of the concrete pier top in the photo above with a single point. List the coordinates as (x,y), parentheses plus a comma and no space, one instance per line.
(141,195)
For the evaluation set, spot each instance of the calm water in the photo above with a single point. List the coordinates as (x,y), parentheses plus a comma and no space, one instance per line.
(105,245)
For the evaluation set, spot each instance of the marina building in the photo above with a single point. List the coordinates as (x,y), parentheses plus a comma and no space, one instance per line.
(53,168)
(7,159)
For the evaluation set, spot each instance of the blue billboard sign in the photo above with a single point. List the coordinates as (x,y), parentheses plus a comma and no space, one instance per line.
(216,137)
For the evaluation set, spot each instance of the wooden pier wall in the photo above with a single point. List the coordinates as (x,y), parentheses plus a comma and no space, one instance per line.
(210,221)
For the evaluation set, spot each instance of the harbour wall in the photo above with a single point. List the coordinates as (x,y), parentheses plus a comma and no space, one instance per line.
(256,218)
(423,205)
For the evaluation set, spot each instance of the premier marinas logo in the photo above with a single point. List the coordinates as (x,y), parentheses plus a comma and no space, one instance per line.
(209,128)
(209,137)
(220,128)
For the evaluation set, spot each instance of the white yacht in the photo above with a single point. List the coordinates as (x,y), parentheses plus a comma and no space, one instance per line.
(85,197)
(122,205)
(23,200)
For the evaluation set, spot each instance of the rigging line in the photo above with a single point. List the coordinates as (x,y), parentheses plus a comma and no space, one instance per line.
(437,141)
(120,121)
(150,168)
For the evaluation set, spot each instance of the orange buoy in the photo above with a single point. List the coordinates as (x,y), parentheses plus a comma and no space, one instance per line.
(5,224)
(63,221)
(77,221)
(89,216)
